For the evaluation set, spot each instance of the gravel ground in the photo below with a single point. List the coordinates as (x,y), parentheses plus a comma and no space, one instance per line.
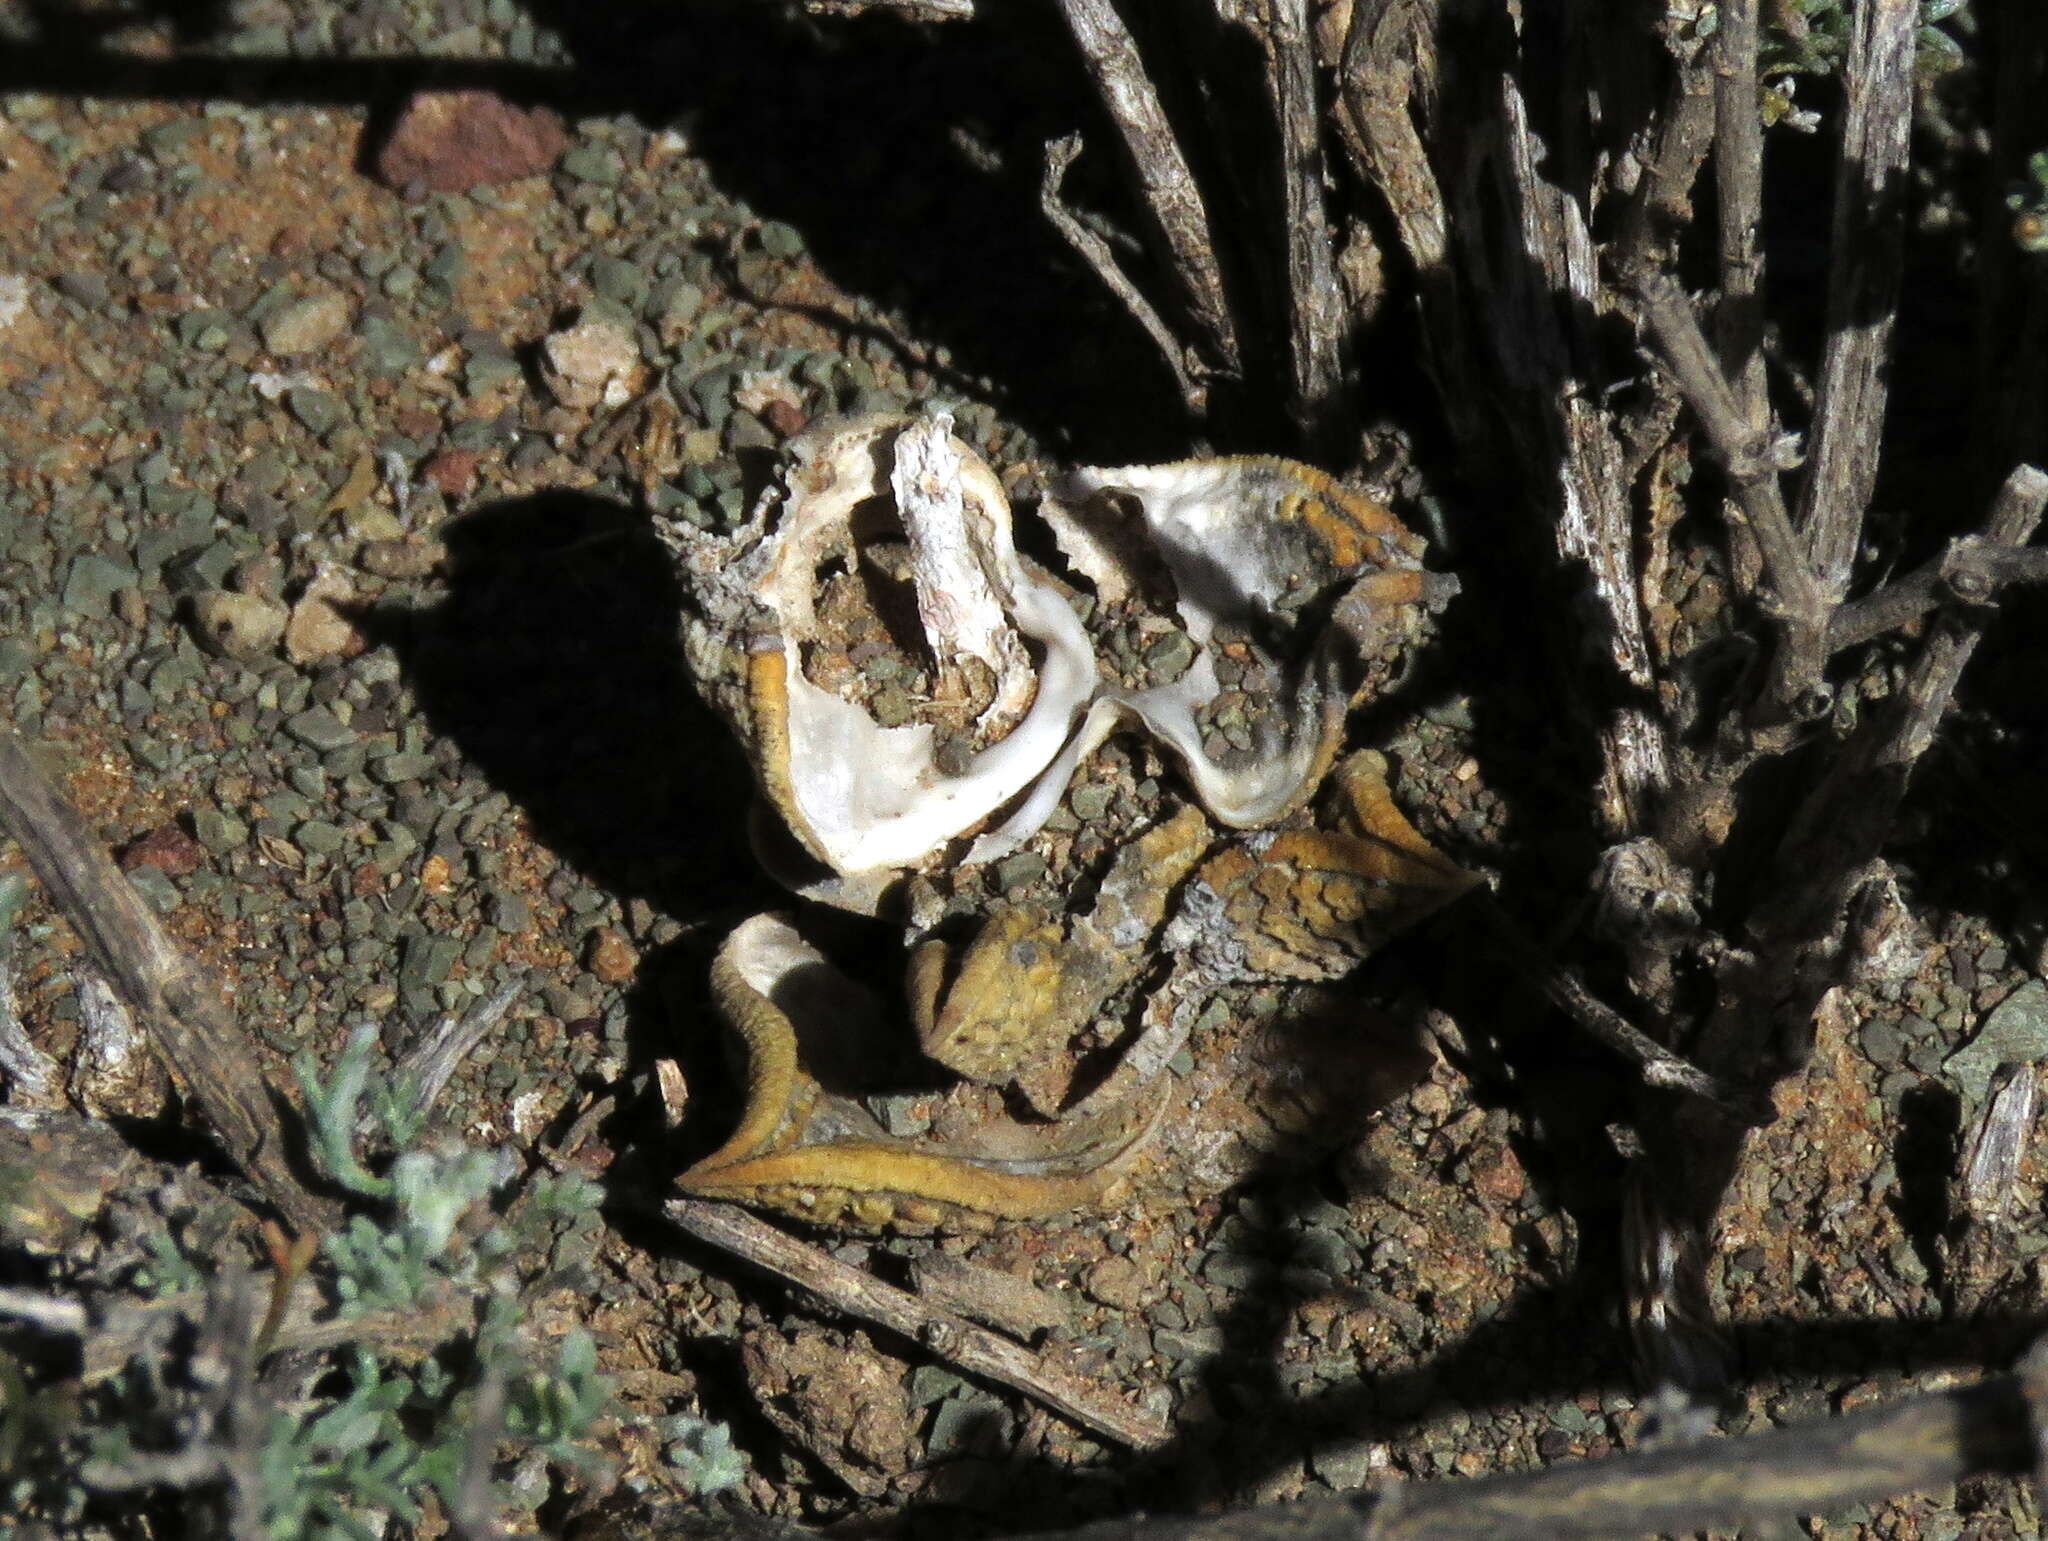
(327,588)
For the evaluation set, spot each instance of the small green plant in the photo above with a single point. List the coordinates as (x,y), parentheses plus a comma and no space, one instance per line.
(370,1438)
(702,1454)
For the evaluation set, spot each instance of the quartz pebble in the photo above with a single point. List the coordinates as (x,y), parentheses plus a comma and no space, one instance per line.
(233,625)
(306,324)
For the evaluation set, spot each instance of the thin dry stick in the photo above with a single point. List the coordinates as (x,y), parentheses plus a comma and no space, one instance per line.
(941,1333)
(1315,302)
(431,1061)
(909,10)
(176,1005)
(1111,57)
(1389,59)
(1093,250)
(1919,1445)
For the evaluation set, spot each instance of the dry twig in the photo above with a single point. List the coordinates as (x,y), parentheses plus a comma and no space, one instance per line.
(180,1010)
(939,1332)
(1168,186)
(1093,250)
(1921,1444)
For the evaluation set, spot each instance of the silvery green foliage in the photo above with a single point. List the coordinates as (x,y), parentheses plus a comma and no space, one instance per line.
(365,1442)
(702,1454)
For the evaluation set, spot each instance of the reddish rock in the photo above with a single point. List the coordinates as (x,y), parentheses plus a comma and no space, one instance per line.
(451,141)
(452,470)
(168,849)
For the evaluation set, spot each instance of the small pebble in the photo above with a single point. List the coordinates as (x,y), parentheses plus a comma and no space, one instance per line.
(610,957)
(1019,870)
(305,325)
(234,625)
(319,729)
(316,410)
(1115,1281)
(92,581)
(316,837)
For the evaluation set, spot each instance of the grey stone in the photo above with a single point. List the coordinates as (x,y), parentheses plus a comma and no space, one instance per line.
(1233,1270)
(206,568)
(1183,1347)
(960,1422)
(394,768)
(904,1114)
(1882,1041)
(151,883)
(485,370)
(1018,870)
(598,165)
(86,287)
(619,281)
(2016,1033)
(1171,656)
(204,330)
(320,729)
(1350,1464)
(780,240)
(92,582)
(218,831)
(387,348)
(316,837)
(316,410)
(930,1383)
(1091,801)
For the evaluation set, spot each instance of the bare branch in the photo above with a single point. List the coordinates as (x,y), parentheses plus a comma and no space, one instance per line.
(1739,190)
(1315,300)
(1389,58)
(1577,446)
(1918,1445)
(1661,205)
(1970,571)
(177,1006)
(1093,250)
(1163,175)
(1743,447)
(1863,287)
(30,1072)
(941,1333)
(2015,515)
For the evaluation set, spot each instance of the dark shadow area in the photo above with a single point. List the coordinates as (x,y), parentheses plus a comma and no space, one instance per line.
(554,663)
